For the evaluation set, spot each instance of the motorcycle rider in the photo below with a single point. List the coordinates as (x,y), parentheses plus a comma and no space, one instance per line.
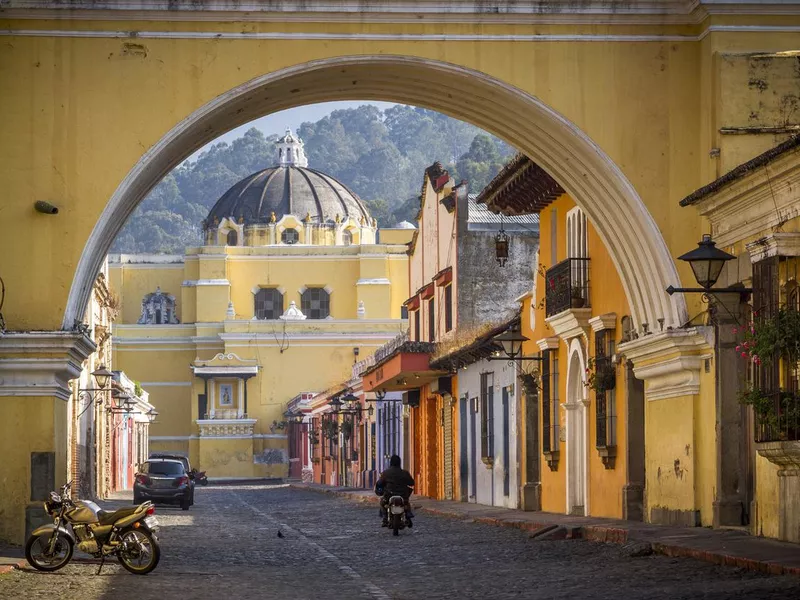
(395,481)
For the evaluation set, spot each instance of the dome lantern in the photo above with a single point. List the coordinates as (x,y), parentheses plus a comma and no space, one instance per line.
(290,151)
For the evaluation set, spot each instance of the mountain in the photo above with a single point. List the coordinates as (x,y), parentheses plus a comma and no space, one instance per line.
(380,155)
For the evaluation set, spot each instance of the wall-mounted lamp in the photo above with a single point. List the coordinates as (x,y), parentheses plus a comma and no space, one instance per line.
(501,245)
(707,262)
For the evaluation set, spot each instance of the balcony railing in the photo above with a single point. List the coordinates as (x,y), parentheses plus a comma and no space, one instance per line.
(778,419)
(567,286)
(225,414)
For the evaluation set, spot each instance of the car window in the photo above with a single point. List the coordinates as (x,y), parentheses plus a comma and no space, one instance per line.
(163,468)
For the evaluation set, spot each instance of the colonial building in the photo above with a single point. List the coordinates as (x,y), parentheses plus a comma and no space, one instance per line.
(754,214)
(287,289)
(457,291)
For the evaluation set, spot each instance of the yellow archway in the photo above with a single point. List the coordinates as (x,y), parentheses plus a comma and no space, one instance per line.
(581,167)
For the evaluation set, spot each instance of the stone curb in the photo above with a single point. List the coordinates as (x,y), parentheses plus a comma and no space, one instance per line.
(593,533)
(22,564)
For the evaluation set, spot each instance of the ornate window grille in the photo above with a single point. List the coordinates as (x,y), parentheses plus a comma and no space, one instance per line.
(487,417)
(316,303)
(605,398)
(290,236)
(550,406)
(269,304)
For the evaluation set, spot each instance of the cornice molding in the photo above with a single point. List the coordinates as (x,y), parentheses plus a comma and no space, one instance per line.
(670,362)
(42,363)
(571,323)
(775,244)
(605,321)
(548,343)
(755,203)
(656,12)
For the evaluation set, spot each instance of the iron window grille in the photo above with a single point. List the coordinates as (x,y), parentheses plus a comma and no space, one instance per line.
(268,304)
(550,406)
(431,321)
(605,397)
(778,380)
(232,238)
(315,303)
(487,417)
(448,308)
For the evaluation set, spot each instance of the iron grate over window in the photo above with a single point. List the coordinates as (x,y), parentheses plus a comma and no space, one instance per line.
(316,303)
(605,394)
(269,304)
(290,236)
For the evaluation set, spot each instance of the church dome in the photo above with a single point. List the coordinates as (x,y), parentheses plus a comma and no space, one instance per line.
(290,188)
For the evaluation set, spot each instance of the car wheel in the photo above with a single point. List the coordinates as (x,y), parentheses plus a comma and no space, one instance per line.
(185,502)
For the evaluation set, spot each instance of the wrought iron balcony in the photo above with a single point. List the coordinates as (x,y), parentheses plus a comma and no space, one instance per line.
(567,286)
(777,419)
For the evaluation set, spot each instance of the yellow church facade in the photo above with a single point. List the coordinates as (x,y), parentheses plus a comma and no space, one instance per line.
(275,303)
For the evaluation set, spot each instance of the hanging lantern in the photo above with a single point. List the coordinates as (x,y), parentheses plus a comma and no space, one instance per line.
(706,261)
(501,245)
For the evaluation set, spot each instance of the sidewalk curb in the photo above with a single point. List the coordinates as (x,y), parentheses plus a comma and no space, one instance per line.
(593,533)
(23,564)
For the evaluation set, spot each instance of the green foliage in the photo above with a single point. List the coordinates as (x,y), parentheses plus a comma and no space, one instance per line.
(380,155)
(774,338)
(600,375)
(137,389)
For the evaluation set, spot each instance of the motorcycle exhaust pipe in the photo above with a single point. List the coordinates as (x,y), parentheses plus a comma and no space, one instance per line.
(45,208)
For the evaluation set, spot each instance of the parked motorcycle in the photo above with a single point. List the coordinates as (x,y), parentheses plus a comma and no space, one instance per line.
(199,477)
(128,533)
(399,514)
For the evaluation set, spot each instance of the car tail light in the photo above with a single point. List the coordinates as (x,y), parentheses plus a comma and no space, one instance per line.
(143,480)
(151,510)
(182,481)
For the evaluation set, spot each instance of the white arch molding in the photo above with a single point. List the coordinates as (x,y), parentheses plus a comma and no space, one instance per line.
(595,183)
(577,423)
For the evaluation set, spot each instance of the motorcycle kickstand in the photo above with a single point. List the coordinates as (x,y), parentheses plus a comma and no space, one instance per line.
(102,562)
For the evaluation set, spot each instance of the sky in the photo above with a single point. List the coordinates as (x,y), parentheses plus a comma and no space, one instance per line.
(291,118)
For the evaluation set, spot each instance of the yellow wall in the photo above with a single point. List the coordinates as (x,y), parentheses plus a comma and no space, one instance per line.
(606,296)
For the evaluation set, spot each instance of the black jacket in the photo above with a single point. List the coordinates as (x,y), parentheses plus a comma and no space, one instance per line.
(396,480)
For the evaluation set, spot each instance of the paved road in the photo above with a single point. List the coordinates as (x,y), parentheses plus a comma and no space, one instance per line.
(227,547)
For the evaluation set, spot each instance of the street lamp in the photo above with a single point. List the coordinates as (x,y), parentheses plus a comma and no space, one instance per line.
(350,400)
(501,245)
(152,414)
(335,403)
(101,376)
(512,341)
(707,262)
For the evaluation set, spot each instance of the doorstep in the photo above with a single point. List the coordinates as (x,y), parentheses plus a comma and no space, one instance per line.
(730,547)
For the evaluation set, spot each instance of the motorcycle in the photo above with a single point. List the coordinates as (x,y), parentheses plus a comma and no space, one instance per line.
(399,514)
(128,533)
(199,477)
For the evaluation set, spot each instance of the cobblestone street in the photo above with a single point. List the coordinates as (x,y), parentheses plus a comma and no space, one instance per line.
(227,546)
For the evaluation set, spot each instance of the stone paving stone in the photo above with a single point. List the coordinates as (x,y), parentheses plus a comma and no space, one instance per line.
(227,547)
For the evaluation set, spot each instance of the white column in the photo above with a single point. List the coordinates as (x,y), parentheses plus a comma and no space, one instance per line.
(211,394)
(240,399)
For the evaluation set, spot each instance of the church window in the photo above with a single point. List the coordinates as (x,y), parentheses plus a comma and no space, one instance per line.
(347,237)
(269,304)
(316,303)
(158,308)
(233,238)
(290,236)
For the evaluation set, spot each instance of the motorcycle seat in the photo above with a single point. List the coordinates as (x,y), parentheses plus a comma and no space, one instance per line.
(110,517)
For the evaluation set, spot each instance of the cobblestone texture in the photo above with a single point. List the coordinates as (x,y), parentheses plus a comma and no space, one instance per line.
(227,546)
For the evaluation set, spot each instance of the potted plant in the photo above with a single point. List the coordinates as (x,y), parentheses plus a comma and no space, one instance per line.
(347,429)
(576,299)
(600,375)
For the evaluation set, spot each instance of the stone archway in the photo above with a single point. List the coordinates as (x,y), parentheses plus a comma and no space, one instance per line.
(581,167)
(577,425)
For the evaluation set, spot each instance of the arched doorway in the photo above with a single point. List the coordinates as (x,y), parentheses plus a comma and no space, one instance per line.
(581,167)
(577,431)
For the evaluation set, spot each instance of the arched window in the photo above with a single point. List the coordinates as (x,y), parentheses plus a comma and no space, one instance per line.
(290,236)
(269,304)
(233,238)
(315,303)
(347,237)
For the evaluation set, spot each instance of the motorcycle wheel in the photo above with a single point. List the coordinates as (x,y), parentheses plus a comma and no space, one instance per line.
(139,552)
(204,481)
(396,524)
(36,552)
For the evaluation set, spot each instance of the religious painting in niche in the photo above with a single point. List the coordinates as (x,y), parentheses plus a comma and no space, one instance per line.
(158,308)
(226,394)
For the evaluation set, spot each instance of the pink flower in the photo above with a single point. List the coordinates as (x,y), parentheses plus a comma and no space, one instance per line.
(753,330)
(738,348)
(735,330)
(744,354)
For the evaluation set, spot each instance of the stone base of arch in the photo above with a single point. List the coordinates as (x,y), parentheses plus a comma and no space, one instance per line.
(35,371)
(679,414)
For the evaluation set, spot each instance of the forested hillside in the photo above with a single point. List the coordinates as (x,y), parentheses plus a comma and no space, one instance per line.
(380,155)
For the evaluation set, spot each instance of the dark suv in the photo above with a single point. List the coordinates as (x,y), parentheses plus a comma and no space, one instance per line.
(184,460)
(163,480)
